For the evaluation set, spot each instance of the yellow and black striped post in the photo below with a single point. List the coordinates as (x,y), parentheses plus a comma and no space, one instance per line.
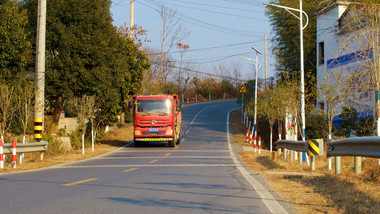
(38,129)
(315,148)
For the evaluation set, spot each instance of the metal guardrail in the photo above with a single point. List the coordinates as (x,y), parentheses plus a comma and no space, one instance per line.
(299,146)
(27,147)
(355,146)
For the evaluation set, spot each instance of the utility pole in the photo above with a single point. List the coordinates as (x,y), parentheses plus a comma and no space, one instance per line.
(40,71)
(265,61)
(132,20)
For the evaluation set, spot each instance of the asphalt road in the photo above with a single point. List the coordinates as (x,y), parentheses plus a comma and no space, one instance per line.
(201,175)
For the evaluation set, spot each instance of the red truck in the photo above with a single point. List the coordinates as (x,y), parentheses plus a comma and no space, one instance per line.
(156,118)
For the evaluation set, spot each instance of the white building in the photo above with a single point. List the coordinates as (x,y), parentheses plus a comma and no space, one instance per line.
(340,50)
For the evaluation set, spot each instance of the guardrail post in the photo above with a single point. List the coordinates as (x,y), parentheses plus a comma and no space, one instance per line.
(42,155)
(312,163)
(329,167)
(337,165)
(358,164)
(1,154)
(285,154)
(291,155)
(300,157)
(14,155)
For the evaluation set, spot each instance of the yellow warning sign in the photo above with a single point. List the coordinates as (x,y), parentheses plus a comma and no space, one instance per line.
(242,89)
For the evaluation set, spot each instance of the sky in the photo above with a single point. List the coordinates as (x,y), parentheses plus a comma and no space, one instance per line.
(220,31)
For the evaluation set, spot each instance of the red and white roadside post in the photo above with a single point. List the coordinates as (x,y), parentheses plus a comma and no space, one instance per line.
(1,154)
(259,144)
(14,155)
(250,137)
(247,134)
(254,143)
(187,100)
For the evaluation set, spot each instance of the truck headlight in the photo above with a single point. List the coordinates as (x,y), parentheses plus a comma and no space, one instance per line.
(169,132)
(137,132)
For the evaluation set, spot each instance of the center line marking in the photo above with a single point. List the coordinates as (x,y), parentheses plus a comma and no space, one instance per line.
(80,182)
(153,161)
(167,154)
(128,170)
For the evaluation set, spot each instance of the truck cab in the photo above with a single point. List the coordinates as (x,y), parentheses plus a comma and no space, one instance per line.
(156,118)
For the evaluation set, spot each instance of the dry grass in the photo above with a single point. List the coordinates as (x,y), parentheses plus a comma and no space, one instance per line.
(319,191)
(113,141)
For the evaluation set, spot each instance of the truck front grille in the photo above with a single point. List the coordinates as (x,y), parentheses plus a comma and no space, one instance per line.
(149,122)
(154,133)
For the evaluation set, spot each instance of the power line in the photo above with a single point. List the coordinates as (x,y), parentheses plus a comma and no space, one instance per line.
(218,6)
(217,12)
(210,48)
(200,72)
(206,24)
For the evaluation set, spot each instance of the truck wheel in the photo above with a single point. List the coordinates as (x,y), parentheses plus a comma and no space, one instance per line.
(179,139)
(173,142)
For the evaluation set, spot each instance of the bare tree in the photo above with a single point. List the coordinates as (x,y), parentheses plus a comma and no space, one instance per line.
(335,91)
(8,107)
(182,48)
(359,30)
(26,104)
(84,107)
(172,33)
(236,67)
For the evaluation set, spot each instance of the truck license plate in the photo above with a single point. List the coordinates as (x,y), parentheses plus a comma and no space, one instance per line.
(153,130)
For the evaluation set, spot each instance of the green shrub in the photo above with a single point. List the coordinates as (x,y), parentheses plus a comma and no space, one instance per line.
(76,140)
(55,145)
(317,126)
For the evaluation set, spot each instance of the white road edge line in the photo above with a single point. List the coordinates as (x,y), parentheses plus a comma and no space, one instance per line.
(265,195)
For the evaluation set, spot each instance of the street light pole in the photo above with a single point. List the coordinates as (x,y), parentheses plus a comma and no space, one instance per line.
(257,68)
(132,20)
(289,9)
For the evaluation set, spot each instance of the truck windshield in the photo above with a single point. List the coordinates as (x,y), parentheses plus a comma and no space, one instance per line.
(154,106)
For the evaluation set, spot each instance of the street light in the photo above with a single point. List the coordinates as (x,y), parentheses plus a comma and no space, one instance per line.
(289,9)
(257,65)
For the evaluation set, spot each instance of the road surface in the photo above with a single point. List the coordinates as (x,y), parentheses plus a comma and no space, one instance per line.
(201,175)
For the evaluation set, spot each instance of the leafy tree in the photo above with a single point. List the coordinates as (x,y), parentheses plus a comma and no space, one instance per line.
(269,106)
(87,55)
(14,46)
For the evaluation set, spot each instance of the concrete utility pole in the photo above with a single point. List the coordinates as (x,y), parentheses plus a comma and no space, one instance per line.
(132,20)
(265,61)
(40,71)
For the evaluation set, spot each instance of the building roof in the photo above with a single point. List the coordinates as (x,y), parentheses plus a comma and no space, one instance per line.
(330,7)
